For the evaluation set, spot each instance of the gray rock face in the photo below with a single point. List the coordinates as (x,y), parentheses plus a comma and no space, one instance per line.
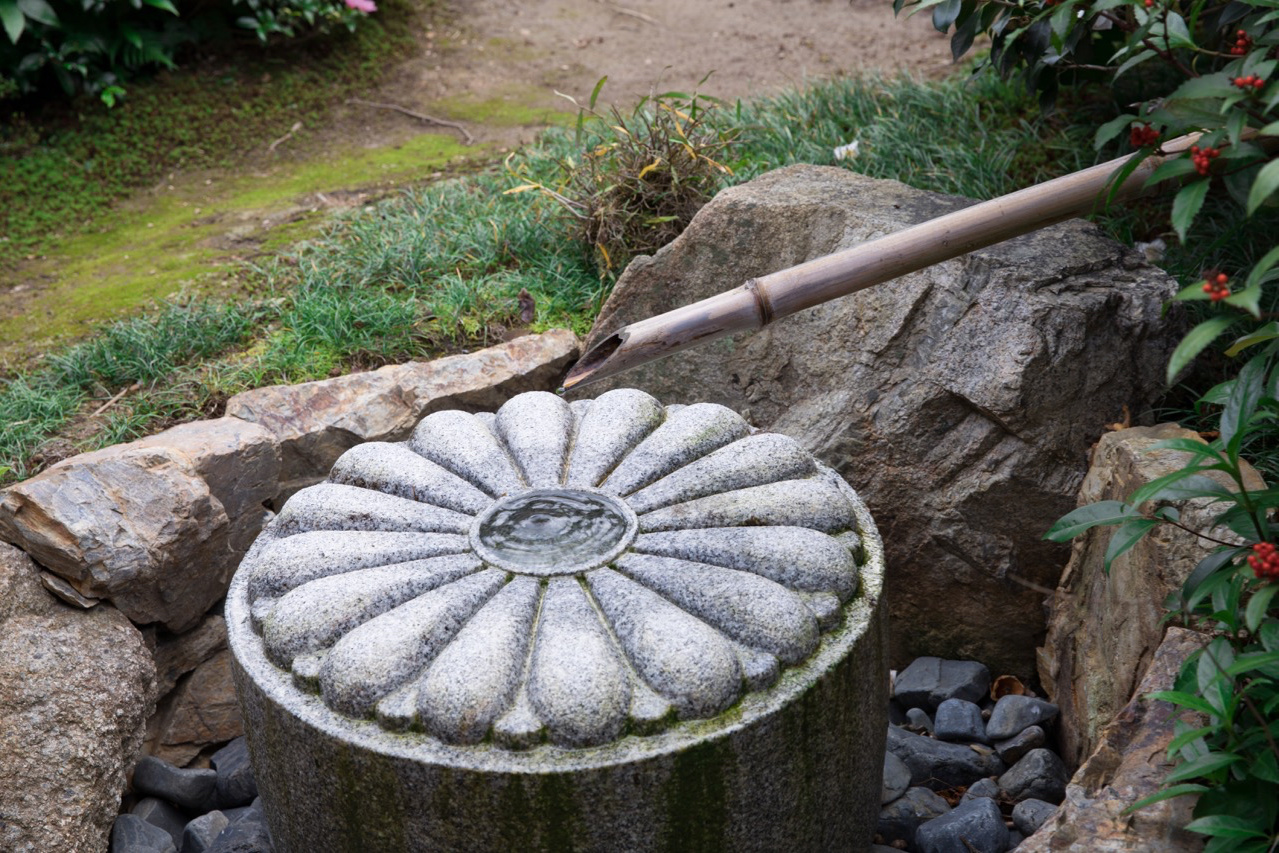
(582,636)
(899,820)
(189,788)
(1031,814)
(132,834)
(987,788)
(1011,751)
(929,681)
(159,813)
(75,692)
(235,784)
(1040,775)
(938,764)
(975,826)
(199,834)
(896,778)
(945,397)
(1014,714)
(202,711)
(316,422)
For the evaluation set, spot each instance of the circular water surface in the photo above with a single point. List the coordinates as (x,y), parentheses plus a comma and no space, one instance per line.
(553,531)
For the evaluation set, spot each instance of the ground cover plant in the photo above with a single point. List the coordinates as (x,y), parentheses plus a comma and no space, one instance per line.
(1207,69)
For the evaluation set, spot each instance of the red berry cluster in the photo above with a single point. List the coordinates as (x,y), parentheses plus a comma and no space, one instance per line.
(1242,42)
(1252,81)
(1264,561)
(1203,158)
(1143,135)
(1150,3)
(1215,285)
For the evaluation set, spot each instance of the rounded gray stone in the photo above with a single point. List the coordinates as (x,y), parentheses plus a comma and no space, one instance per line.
(975,825)
(611,625)
(959,720)
(1014,714)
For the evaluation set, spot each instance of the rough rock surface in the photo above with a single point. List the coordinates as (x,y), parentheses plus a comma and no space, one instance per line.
(136,525)
(75,691)
(316,422)
(1128,764)
(200,712)
(1103,629)
(945,397)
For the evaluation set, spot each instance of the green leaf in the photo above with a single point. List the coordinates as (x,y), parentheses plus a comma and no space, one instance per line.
(1182,484)
(1187,736)
(1177,167)
(1072,524)
(1203,766)
(131,36)
(39,10)
(945,13)
(1185,700)
(1061,19)
(1257,605)
(13,20)
(1125,537)
(1193,446)
(1177,33)
(1268,332)
(1208,86)
(1166,794)
(1255,660)
(595,93)
(1185,207)
(1242,404)
(1195,341)
(1133,62)
(1263,186)
(1116,126)
(1224,826)
(1267,262)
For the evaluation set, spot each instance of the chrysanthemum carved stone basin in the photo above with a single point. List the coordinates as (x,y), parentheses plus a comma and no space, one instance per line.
(604,626)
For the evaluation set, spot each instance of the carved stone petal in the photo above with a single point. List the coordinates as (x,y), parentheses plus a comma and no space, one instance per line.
(688,434)
(611,425)
(577,684)
(802,503)
(677,654)
(536,429)
(461,443)
(387,651)
(396,470)
(329,506)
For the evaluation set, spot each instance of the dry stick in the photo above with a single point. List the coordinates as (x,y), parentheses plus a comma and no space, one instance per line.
(297,125)
(759,301)
(109,403)
(622,10)
(466,134)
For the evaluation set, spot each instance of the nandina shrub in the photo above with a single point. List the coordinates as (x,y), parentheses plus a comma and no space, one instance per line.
(95,46)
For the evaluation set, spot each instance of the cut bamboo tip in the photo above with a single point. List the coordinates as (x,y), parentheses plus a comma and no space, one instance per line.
(759,301)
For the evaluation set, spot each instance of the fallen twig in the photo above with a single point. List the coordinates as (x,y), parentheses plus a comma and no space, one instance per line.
(109,403)
(466,134)
(297,125)
(622,10)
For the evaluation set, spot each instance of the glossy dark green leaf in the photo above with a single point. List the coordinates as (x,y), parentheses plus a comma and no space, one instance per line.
(1087,517)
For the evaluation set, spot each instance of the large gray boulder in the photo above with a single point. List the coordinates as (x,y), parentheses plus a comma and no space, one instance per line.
(960,401)
(76,687)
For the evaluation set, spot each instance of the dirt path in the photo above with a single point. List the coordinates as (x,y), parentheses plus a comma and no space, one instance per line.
(492,65)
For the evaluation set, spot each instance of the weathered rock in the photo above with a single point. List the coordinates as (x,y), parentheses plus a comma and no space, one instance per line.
(239,460)
(132,834)
(177,654)
(248,833)
(1011,750)
(236,785)
(929,681)
(316,422)
(918,718)
(161,814)
(987,788)
(199,834)
(136,525)
(958,720)
(1130,763)
(1103,629)
(938,764)
(1039,775)
(75,692)
(896,778)
(899,820)
(199,713)
(946,396)
(192,789)
(1029,815)
(975,825)
(1014,714)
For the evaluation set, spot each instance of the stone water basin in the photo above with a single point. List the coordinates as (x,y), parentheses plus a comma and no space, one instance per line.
(606,625)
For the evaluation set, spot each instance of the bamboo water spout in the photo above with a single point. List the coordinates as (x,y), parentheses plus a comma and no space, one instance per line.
(761,300)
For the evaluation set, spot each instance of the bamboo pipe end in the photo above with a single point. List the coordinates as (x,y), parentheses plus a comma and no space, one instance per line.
(585,371)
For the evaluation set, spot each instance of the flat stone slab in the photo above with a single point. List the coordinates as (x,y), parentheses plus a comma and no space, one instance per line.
(546,613)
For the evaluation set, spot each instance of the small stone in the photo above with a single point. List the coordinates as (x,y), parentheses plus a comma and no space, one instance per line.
(198,835)
(132,834)
(974,825)
(896,778)
(248,834)
(1040,775)
(64,590)
(1014,838)
(236,785)
(1015,714)
(1029,815)
(959,720)
(188,789)
(938,764)
(987,788)
(929,681)
(899,819)
(159,813)
(1012,750)
(917,718)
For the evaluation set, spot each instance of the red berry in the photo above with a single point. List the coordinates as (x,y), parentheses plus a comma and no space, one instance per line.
(1222,278)
(1257,82)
